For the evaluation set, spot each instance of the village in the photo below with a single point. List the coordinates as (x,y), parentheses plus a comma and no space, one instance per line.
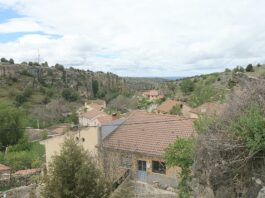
(131,145)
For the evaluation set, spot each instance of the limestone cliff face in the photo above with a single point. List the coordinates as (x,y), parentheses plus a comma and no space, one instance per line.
(60,77)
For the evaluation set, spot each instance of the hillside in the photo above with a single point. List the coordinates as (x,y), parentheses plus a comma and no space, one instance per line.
(48,94)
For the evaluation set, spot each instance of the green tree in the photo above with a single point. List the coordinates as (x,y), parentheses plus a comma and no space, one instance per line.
(11,61)
(74,173)
(70,95)
(238,69)
(4,60)
(11,125)
(95,87)
(187,86)
(180,154)
(249,68)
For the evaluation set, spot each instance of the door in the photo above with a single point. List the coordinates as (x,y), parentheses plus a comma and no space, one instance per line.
(141,173)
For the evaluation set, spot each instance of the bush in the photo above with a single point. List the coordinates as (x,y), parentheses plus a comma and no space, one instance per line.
(11,125)
(180,154)
(249,68)
(70,95)
(20,99)
(11,61)
(231,83)
(239,69)
(176,110)
(25,156)
(4,60)
(187,86)
(205,93)
(250,128)
(79,177)
(203,123)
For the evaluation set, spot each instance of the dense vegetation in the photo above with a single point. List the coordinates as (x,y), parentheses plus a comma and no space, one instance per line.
(48,94)
(15,149)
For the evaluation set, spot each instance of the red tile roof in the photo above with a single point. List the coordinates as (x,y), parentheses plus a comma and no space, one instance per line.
(93,114)
(166,106)
(149,133)
(105,119)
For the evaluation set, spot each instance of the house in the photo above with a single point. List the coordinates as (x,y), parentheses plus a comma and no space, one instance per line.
(95,118)
(152,95)
(209,108)
(167,105)
(89,137)
(139,143)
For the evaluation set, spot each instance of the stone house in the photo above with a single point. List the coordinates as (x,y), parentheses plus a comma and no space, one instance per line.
(139,143)
(152,95)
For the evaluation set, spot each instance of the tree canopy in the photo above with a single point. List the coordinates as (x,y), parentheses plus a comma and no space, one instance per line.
(11,125)
(79,177)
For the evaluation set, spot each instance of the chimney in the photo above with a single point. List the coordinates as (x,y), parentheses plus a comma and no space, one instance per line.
(114,116)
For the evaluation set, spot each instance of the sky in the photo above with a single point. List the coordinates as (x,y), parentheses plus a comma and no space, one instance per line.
(135,37)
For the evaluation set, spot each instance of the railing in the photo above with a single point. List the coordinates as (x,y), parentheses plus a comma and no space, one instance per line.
(119,181)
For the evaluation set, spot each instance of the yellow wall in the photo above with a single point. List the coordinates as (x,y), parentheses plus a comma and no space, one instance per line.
(91,139)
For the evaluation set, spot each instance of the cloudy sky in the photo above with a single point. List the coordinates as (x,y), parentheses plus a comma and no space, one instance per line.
(135,37)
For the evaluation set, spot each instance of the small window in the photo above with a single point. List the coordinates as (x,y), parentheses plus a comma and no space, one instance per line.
(83,139)
(158,167)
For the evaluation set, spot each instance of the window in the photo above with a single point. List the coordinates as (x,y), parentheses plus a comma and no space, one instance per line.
(141,165)
(126,162)
(158,167)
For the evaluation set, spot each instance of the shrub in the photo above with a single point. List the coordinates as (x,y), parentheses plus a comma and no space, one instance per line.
(249,68)
(250,128)
(11,125)
(20,99)
(176,110)
(231,83)
(205,93)
(187,86)
(79,177)
(11,61)
(180,154)
(239,69)
(4,60)
(203,123)
(70,95)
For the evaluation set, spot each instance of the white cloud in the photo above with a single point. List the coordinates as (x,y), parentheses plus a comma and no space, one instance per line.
(139,37)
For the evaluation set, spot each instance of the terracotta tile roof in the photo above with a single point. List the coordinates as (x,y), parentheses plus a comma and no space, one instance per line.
(28,171)
(93,114)
(209,108)
(96,106)
(149,133)
(105,119)
(166,106)
(4,168)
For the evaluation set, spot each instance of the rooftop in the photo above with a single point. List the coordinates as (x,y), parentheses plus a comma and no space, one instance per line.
(149,133)
(166,106)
